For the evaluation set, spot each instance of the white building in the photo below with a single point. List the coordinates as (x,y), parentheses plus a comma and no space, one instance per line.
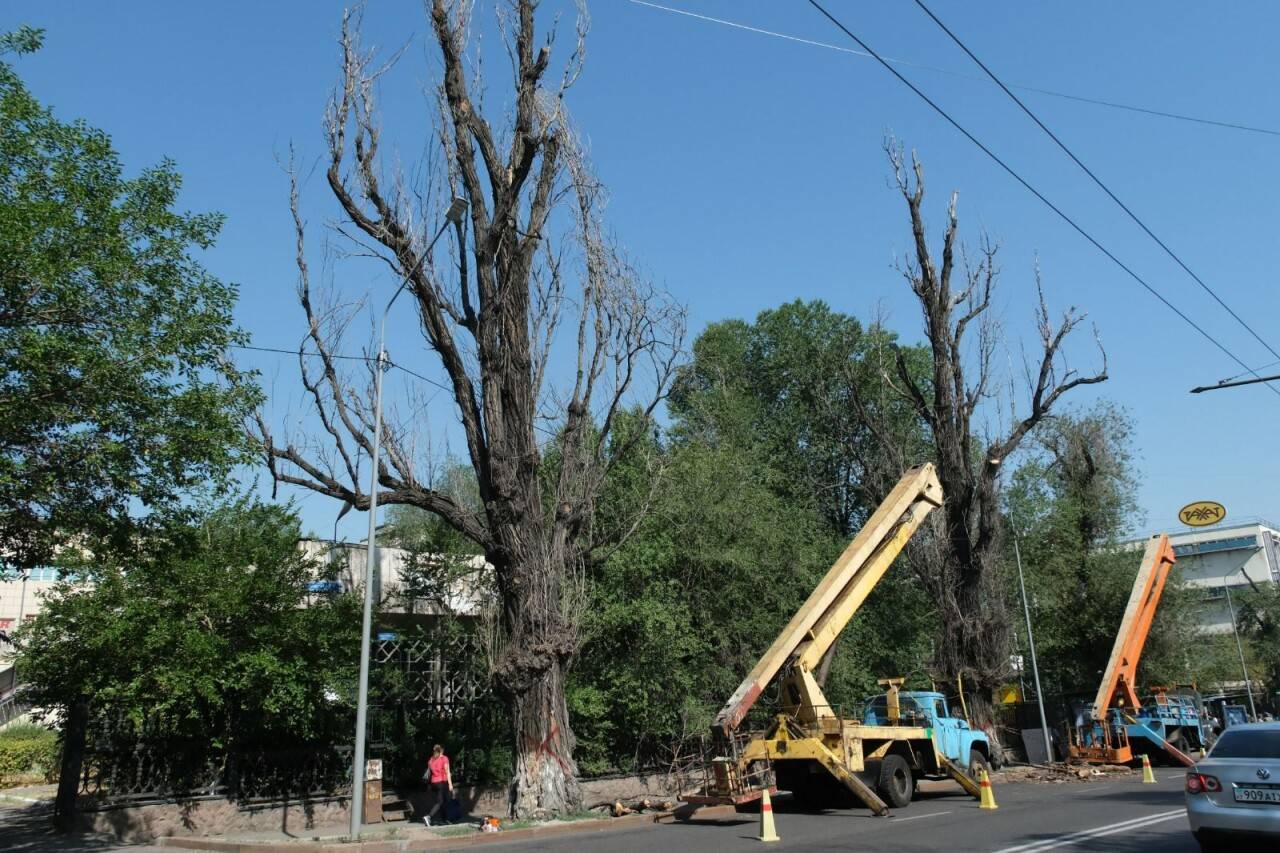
(1239,556)
(462,595)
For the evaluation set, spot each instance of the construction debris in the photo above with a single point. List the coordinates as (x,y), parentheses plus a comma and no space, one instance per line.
(617,808)
(1059,773)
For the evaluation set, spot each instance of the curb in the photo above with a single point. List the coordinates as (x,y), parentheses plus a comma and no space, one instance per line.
(478,839)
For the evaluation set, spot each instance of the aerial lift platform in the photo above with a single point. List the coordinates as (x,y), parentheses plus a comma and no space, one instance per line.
(811,748)
(1117,725)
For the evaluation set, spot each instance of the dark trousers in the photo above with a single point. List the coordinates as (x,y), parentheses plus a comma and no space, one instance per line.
(439,796)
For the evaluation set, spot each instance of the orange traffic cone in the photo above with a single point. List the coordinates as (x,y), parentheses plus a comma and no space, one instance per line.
(1148,778)
(767,832)
(987,800)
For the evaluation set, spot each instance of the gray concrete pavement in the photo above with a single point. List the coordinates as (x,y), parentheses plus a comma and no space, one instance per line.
(1122,816)
(26,828)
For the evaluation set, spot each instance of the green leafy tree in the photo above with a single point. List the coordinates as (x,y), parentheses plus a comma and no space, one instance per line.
(196,643)
(800,384)
(1071,503)
(115,392)
(1258,618)
(764,476)
(201,632)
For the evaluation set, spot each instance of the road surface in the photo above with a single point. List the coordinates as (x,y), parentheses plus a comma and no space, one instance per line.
(1113,816)
(1120,816)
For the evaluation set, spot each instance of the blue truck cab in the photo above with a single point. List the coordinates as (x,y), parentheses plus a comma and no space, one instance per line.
(952,736)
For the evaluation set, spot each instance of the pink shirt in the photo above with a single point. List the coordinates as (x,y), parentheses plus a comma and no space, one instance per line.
(439,768)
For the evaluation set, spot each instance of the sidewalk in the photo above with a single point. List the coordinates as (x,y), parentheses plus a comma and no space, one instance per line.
(388,838)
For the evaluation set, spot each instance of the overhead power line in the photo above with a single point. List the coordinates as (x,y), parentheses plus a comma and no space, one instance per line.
(1207,289)
(923,66)
(1039,195)
(364,358)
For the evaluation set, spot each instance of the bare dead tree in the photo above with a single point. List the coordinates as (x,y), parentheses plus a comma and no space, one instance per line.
(960,566)
(541,450)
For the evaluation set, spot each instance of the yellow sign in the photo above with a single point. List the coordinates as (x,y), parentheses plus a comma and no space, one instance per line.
(1202,513)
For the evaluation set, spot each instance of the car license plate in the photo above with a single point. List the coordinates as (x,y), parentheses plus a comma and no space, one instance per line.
(1256,795)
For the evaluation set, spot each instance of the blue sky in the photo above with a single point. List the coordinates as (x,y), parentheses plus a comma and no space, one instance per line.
(747,170)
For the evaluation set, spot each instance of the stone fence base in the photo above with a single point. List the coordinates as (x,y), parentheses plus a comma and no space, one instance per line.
(223,817)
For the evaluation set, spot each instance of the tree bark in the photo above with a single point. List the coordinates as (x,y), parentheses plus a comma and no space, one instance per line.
(65,812)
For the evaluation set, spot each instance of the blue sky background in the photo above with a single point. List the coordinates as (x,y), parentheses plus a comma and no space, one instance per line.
(746,171)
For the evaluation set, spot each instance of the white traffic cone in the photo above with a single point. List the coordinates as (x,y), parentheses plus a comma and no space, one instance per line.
(767,832)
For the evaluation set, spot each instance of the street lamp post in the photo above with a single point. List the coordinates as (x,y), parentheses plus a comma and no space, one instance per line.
(1244,670)
(453,215)
(1031,643)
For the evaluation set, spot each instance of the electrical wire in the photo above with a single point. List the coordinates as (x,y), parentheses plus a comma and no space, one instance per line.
(1115,105)
(1023,181)
(1096,179)
(363,358)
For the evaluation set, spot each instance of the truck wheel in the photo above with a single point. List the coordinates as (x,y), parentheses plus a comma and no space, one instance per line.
(896,782)
(977,763)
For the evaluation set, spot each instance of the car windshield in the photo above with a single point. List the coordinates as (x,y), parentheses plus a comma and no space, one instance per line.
(1243,743)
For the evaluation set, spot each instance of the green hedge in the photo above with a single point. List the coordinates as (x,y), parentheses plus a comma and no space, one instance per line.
(29,750)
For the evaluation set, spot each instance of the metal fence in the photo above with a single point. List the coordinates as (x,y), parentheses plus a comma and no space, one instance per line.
(439,677)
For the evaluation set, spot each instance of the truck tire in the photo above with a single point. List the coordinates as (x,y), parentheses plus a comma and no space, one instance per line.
(977,763)
(896,785)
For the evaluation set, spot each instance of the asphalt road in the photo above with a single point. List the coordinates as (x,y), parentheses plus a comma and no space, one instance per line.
(1119,816)
(1122,816)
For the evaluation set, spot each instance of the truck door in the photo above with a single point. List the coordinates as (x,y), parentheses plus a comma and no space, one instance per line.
(946,734)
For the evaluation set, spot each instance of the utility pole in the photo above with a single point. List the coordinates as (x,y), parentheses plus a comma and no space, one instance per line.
(1244,670)
(1031,643)
(452,215)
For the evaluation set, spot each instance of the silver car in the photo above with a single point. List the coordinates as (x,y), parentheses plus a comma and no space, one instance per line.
(1233,795)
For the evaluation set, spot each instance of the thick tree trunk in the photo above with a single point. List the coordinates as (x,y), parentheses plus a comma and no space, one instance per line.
(545,781)
(532,670)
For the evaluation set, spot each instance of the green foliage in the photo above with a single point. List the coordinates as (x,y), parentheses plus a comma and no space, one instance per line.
(200,635)
(1258,619)
(682,611)
(1071,504)
(764,478)
(28,750)
(115,392)
(790,385)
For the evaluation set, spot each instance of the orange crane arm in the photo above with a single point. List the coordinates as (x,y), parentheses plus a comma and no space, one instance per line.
(1118,688)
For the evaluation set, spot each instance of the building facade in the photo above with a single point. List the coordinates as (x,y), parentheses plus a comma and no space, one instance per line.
(1236,556)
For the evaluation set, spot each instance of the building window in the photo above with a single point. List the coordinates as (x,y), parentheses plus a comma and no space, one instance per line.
(5,624)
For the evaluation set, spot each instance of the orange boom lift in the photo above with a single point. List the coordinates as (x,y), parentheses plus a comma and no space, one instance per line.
(1105,737)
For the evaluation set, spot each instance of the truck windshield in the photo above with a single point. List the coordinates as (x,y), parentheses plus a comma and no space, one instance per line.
(1246,743)
(908,709)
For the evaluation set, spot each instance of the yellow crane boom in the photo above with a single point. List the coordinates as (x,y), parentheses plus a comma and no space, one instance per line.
(815,626)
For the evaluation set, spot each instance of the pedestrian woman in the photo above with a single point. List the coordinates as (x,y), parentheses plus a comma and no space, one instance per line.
(440,784)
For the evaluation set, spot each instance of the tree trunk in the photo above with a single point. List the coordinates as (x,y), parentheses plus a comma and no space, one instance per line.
(532,669)
(545,781)
(73,739)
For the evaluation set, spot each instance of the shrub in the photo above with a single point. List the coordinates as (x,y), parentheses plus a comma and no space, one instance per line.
(29,750)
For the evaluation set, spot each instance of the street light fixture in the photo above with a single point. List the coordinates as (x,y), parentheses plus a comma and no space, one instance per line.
(452,216)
